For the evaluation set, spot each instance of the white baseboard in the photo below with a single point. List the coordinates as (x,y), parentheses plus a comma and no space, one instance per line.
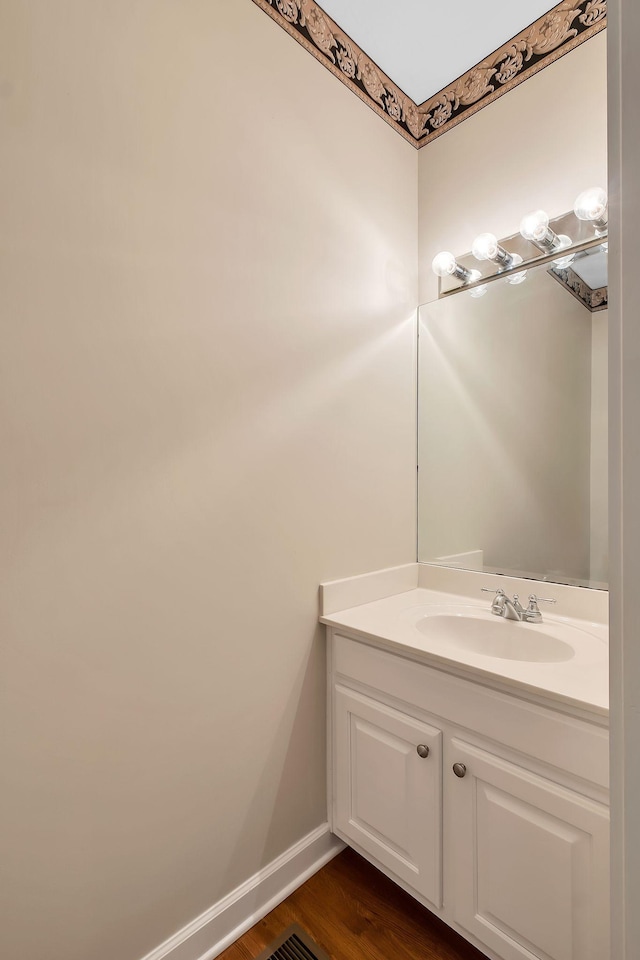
(219,926)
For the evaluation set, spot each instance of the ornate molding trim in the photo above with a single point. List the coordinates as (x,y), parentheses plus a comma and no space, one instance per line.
(593,300)
(559,31)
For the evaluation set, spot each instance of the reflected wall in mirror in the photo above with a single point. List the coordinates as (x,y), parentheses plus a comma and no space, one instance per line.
(513,433)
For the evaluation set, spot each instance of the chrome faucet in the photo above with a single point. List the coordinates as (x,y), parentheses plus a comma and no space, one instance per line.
(502,606)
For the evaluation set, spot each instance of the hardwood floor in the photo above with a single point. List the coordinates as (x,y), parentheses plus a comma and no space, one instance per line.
(355,913)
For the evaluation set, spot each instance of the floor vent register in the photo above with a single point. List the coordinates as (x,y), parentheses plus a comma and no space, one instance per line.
(293,944)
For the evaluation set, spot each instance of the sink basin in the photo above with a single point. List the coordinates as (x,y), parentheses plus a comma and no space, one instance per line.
(495,637)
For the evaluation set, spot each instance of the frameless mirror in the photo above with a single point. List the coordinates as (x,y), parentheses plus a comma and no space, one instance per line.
(513,426)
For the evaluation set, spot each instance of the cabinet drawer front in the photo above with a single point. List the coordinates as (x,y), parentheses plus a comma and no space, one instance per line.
(575,747)
(528,860)
(388,795)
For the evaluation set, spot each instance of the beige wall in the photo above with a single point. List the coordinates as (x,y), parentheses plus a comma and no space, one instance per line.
(539,146)
(208,252)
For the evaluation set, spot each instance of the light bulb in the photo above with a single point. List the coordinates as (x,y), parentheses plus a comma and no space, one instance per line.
(534,226)
(485,247)
(592,205)
(444,264)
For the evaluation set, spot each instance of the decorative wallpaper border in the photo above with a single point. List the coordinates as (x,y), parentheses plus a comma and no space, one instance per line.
(593,300)
(559,31)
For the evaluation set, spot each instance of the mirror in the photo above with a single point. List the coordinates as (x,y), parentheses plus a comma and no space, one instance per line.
(512,418)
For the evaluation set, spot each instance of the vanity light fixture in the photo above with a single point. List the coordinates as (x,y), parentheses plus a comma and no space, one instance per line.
(486,247)
(444,264)
(593,205)
(535,228)
(537,231)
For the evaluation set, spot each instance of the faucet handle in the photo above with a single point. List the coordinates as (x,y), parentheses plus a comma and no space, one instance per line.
(532,613)
(499,601)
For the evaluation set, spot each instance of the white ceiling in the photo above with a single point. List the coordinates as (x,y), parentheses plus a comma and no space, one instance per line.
(424,45)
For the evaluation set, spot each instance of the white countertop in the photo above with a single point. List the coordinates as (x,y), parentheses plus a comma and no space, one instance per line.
(581,681)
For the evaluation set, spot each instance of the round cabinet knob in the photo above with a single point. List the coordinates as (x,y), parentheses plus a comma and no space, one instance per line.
(459,769)
(423,750)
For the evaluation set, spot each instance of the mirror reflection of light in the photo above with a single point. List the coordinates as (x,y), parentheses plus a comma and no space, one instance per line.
(478,291)
(517,277)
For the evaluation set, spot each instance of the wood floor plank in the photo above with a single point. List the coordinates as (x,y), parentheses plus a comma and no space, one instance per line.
(354,912)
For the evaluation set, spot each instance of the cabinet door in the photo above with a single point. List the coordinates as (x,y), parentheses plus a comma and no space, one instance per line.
(388,796)
(529,860)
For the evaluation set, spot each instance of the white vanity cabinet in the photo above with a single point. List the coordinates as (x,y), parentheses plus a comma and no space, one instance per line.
(528,860)
(490,808)
(389,789)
